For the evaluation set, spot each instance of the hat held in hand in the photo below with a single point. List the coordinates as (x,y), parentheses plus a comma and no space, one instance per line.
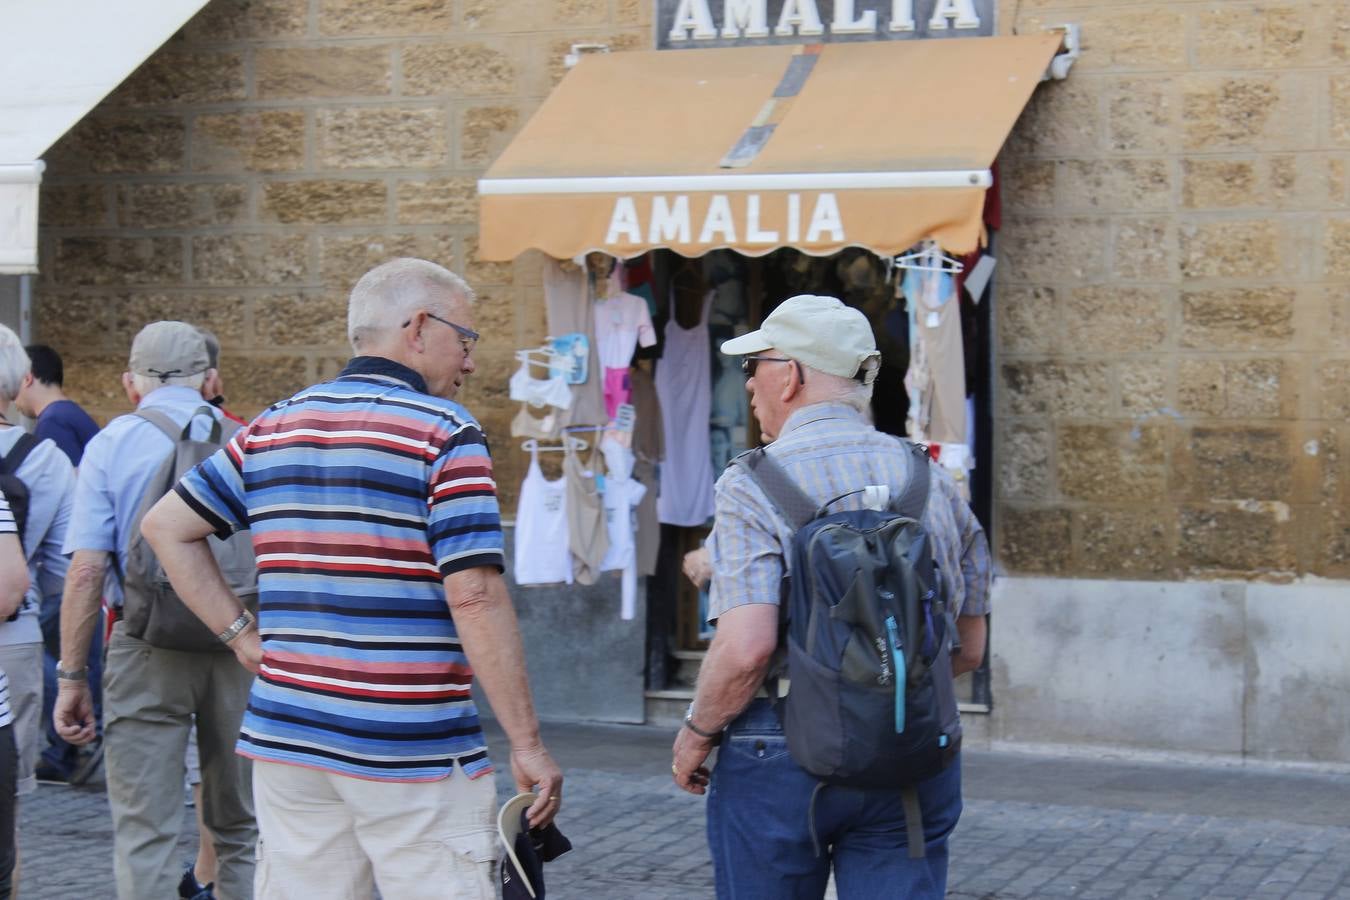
(527,849)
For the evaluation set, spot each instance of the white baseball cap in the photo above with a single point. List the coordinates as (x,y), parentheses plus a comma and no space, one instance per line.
(821,332)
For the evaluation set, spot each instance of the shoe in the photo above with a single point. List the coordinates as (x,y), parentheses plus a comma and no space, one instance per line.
(189,888)
(49,774)
(87,760)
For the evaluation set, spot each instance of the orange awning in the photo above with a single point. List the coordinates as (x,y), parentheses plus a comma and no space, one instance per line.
(816,147)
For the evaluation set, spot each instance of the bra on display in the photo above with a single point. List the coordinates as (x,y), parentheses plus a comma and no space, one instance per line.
(550,391)
(546,427)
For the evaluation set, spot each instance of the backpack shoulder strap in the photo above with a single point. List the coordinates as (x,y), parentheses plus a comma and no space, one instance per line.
(781,490)
(162,422)
(914,498)
(18,453)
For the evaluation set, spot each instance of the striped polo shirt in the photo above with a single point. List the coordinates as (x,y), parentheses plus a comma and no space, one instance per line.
(7,526)
(361,495)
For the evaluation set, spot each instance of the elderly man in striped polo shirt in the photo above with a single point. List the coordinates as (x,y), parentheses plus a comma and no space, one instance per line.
(374,515)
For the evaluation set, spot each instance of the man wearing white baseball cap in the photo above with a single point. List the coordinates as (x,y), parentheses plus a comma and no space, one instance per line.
(774,829)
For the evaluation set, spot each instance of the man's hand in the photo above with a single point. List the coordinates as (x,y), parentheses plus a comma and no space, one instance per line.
(697,567)
(247,648)
(690,752)
(535,770)
(73,714)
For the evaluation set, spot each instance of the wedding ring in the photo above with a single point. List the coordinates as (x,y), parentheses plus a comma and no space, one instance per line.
(675,770)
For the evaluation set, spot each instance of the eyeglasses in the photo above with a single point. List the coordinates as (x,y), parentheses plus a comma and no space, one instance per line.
(750,363)
(468,338)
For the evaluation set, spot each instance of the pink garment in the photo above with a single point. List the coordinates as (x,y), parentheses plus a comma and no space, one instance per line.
(618,390)
(622,322)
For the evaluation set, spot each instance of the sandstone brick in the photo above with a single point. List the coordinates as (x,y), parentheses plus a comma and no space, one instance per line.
(317,319)
(1256,388)
(483,16)
(484,131)
(1143,249)
(1054,250)
(1142,115)
(1339,100)
(1230,248)
(1235,36)
(359,17)
(1218,183)
(1112,318)
(173,77)
(1338,303)
(94,380)
(1123,39)
(478,271)
(1024,462)
(1028,319)
(1336,248)
(1034,541)
(241,20)
(113,144)
(439,201)
(1028,185)
(1062,117)
(324,201)
(383,138)
(309,72)
(1304,181)
(1333,560)
(1248,539)
(1056,388)
(1143,386)
(633,13)
(181,205)
(343,259)
(270,140)
(579,12)
(1129,542)
(74,321)
(1117,184)
(223,315)
(493,314)
(118,260)
(1333,378)
(73,205)
(1236,463)
(1249,112)
(257,381)
(465,69)
(249,259)
(554,53)
(1237,318)
(1111,463)
(1201,387)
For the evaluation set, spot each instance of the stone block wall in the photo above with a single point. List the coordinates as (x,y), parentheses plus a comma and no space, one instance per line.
(1173,315)
(274,150)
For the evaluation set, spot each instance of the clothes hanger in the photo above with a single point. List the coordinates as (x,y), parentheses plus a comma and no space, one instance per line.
(929,258)
(569,443)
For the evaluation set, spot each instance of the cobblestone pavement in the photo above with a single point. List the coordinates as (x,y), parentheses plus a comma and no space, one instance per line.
(1033,827)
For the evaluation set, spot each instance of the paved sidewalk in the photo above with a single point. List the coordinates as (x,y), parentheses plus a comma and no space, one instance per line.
(1033,827)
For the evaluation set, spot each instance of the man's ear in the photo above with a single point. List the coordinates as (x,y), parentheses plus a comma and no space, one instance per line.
(130,387)
(792,384)
(412,334)
(28,380)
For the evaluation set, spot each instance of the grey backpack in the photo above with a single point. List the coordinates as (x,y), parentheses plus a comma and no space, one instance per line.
(151,609)
(872,699)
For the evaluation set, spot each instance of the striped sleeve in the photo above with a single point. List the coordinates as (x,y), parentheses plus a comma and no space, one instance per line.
(214,488)
(7,525)
(464,525)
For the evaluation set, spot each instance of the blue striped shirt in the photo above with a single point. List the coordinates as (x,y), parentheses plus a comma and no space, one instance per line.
(361,495)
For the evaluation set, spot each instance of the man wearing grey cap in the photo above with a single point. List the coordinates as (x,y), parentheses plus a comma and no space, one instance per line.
(150,693)
(775,830)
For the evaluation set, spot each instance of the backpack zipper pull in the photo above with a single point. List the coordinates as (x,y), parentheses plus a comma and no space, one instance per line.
(899,655)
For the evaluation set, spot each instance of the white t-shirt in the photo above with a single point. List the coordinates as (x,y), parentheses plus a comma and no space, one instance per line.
(622,323)
(623,493)
(542,555)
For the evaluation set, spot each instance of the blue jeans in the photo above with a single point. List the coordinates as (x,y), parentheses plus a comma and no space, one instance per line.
(57,753)
(760,813)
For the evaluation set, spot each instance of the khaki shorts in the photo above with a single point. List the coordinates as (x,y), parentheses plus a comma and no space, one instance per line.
(326,835)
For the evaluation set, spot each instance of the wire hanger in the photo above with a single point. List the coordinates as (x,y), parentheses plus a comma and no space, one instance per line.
(568,443)
(552,359)
(929,258)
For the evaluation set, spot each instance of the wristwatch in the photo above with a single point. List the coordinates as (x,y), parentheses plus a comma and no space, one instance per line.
(71,674)
(714,736)
(236,627)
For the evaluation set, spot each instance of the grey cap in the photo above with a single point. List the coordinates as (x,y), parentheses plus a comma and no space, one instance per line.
(167,350)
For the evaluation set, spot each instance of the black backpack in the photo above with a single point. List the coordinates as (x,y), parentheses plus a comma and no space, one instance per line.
(871,700)
(16,492)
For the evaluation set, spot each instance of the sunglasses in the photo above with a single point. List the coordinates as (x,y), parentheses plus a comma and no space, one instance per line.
(750,363)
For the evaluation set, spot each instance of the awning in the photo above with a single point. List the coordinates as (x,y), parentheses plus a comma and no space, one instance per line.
(58,59)
(817,147)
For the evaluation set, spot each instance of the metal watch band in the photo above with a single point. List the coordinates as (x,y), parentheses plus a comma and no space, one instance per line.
(689,723)
(65,674)
(236,627)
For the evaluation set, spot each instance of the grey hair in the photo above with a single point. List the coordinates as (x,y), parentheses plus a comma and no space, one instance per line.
(393,292)
(14,363)
(145,384)
(849,391)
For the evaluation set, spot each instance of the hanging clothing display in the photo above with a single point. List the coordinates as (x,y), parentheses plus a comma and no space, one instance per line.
(648,524)
(648,451)
(622,324)
(545,428)
(542,555)
(568,304)
(550,391)
(622,495)
(937,378)
(587,537)
(684,386)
